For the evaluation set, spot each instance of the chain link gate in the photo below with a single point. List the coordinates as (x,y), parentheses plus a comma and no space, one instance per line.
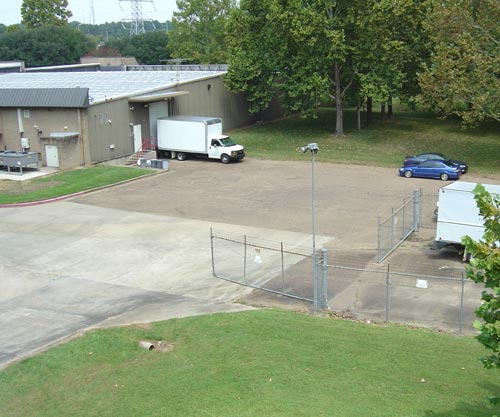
(393,230)
(269,266)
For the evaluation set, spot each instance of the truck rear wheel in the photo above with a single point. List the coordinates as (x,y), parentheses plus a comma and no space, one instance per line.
(181,156)
(225,159)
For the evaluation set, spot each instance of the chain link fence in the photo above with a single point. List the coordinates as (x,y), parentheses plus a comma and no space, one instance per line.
(440,302)
(416,212)
(377,293)
(271,266)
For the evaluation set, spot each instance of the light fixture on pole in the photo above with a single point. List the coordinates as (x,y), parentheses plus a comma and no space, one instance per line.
(314,148)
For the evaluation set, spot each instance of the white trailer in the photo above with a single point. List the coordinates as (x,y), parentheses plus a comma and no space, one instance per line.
(458,214)
(184,136)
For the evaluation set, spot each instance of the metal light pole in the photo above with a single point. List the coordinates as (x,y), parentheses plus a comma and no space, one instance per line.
(313,147)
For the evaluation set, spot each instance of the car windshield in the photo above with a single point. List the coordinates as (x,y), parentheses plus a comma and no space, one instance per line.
(227,142)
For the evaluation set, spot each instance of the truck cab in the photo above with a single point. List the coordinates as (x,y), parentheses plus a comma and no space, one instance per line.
(222,147)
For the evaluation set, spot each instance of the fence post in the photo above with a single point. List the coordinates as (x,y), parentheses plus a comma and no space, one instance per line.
(245,259)
(378,240)
(387,295)
(392,228)
(417,208)
(460,324)
(212,251)
(315,282)
(403,227)
(324,277)
(282,269)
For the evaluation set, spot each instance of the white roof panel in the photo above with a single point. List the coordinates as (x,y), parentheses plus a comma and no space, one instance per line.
(107,85)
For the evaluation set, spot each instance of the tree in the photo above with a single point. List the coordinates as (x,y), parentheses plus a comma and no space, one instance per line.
(112,30)
(484,268)
(48,45)
(253,66)
(464,75)
(392,46)
(37,13)
(199,30)
(147,48)
(306,51)
(285,49)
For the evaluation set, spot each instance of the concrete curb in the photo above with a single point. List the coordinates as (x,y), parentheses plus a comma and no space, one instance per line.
(79,193)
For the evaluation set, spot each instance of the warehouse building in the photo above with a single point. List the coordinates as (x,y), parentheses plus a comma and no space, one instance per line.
(82,118)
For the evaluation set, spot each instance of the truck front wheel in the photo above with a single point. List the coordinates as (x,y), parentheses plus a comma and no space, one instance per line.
(181,156)
(225,159)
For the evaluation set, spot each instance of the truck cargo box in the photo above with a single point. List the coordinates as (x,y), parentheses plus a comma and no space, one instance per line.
(187,133)
(458,214)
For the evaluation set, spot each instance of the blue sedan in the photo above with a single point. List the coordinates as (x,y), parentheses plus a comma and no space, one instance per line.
(418,159)
(432,168)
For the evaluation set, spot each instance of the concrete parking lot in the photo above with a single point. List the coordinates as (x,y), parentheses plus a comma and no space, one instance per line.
(140,251)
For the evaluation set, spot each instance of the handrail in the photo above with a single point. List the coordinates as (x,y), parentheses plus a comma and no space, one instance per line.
(148,144)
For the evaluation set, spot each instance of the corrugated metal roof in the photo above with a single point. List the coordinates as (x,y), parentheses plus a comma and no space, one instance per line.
(44,97)
(105,86)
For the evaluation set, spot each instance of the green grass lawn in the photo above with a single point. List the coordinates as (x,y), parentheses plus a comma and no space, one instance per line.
(256,363)
(69,182)
(382,144)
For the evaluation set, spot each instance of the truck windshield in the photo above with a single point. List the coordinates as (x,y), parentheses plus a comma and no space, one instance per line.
(227,142)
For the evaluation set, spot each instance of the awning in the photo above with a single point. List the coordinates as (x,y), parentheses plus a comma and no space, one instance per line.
(149,98)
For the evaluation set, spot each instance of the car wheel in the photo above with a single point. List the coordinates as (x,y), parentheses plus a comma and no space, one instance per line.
(181,156)
(444,176)
(408,174)
(225,159)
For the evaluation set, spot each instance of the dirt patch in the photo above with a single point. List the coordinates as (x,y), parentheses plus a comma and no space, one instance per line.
(16,187)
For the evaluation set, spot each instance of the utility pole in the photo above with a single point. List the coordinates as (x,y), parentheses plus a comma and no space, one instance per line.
(92,15)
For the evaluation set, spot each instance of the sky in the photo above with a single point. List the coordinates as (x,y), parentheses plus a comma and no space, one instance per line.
(104,10)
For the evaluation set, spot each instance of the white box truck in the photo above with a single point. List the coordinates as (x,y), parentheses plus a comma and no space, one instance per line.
(458,214)
(184,136)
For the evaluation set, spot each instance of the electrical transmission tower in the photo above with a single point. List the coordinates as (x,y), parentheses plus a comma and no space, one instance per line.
(92,15)
(137,19)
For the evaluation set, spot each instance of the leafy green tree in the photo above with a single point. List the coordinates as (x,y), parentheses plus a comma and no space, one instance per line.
(147,48)
(390,48)
(253,65)
(48,45)
(464,75)
(484,268)
(37,13)
(282,49)
(199,33)
(306,51)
